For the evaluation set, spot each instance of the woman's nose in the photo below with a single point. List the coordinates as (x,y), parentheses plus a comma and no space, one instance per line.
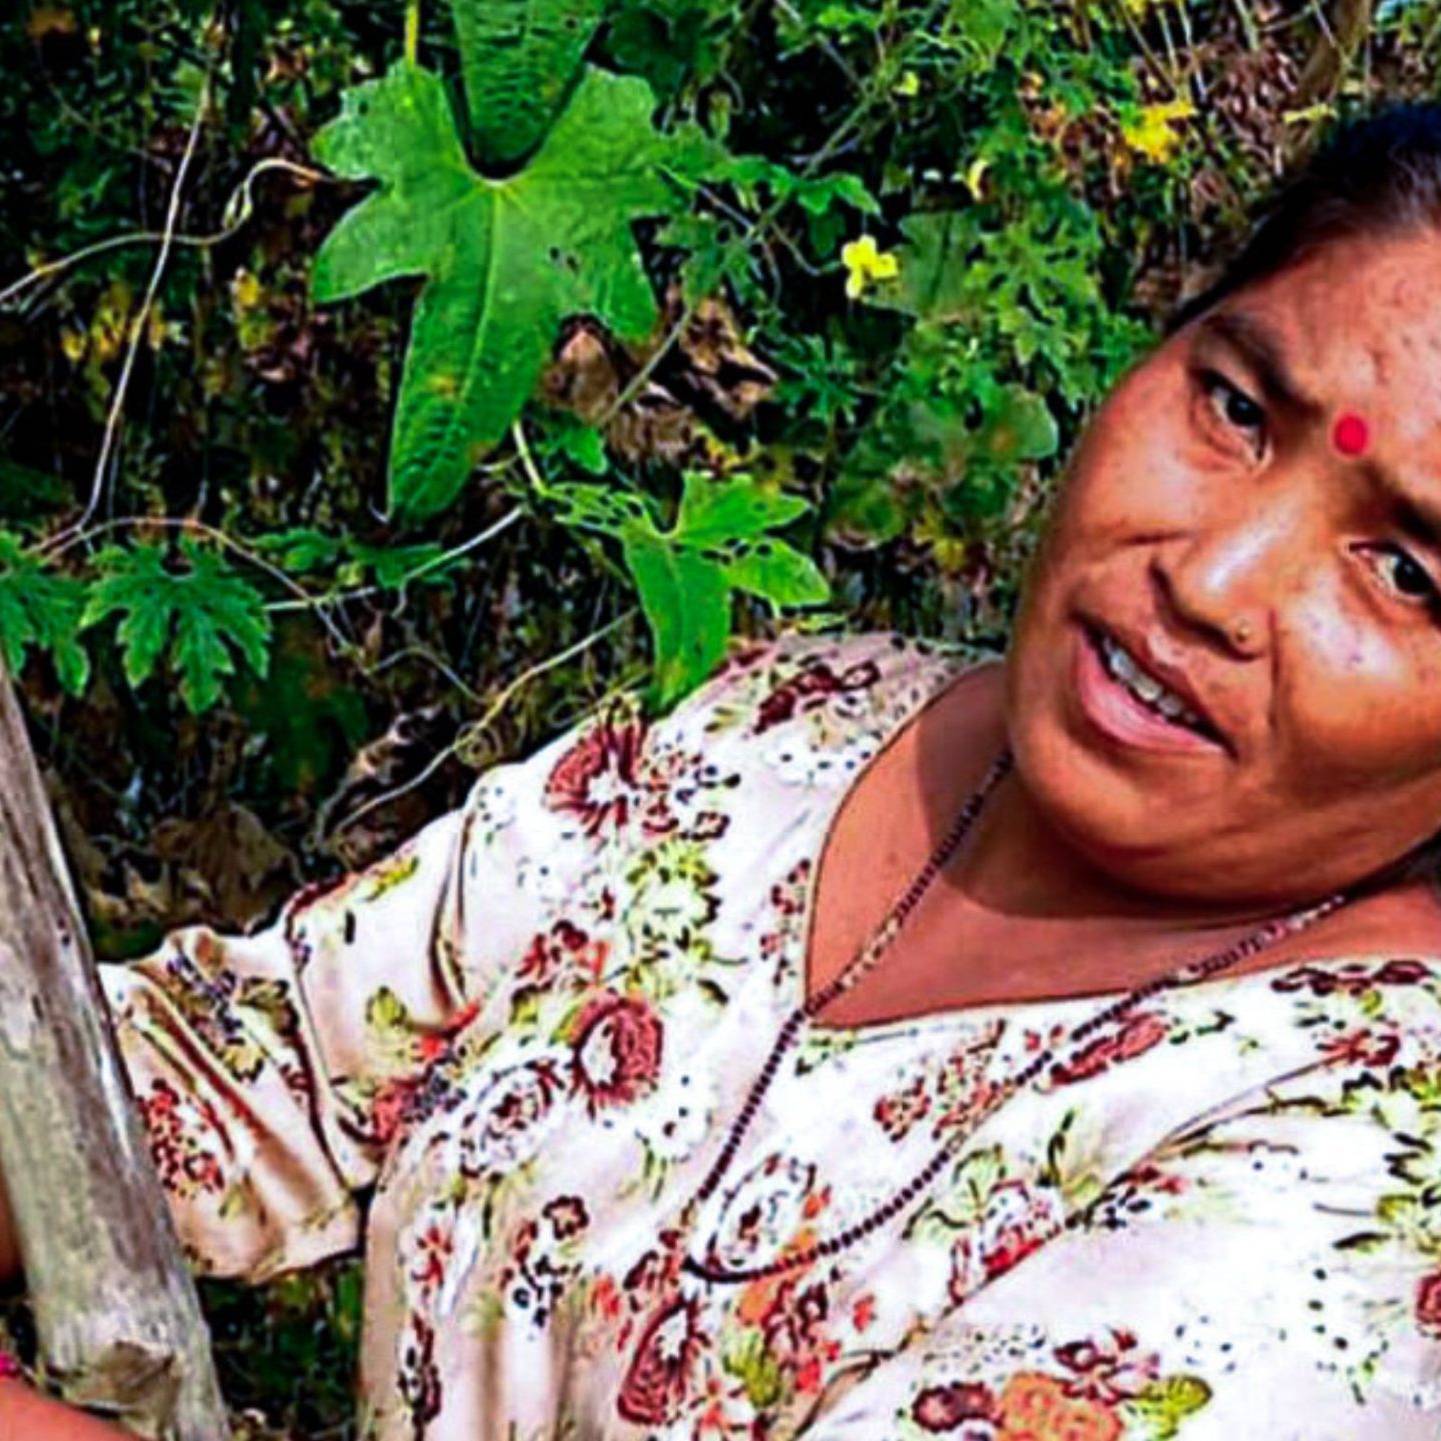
(1223,577)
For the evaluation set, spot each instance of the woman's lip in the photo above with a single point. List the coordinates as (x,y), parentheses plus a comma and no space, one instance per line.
(1117,714)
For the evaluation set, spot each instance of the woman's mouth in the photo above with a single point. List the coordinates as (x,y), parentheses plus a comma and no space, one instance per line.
(1128,704)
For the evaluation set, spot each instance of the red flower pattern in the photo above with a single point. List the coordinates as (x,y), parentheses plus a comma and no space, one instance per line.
(658,1378)
(898,1112)
(1428,1304)
(1363,1048)
(185,1166)
(1136,1035)
(1354,979)
(596,779)
(617,1049)
(563,952)
(812,685)
(943,1408)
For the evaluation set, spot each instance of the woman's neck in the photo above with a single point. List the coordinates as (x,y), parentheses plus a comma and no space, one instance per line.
(1017,865)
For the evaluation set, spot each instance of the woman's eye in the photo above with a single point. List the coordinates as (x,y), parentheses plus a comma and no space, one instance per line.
(1234,406)
(1405,574)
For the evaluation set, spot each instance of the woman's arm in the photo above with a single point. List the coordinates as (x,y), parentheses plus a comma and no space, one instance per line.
(25,1415)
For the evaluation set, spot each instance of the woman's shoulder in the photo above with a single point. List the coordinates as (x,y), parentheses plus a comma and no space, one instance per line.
(797,710)
(824,686)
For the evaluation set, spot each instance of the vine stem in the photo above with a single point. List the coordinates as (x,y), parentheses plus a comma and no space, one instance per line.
(472,730)
(412,32)
(434,563)
(527,460)
(242,195)
(142,316)
(304,600)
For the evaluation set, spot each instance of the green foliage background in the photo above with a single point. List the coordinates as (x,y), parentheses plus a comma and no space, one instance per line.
(380,387)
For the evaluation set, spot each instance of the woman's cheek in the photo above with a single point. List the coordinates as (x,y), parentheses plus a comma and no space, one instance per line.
(1361,701)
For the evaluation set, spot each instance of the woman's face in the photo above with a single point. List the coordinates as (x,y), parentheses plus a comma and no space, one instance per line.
(1252,518)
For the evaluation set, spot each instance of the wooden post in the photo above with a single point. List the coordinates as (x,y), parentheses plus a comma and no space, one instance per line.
(120,1326)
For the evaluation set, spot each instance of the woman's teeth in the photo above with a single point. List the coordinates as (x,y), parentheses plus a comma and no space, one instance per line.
(1146,688)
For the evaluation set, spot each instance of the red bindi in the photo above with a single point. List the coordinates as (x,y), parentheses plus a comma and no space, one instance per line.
(1352,435)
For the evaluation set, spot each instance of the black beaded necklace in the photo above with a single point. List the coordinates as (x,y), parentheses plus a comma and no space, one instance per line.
(865,960)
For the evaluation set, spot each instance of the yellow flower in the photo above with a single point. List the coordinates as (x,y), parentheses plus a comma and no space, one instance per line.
(73,343)
(1153,135)
(864,264)
(245,290)
(975,176)
(950,551)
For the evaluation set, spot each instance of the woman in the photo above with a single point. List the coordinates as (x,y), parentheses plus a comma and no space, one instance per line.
(1127,1121)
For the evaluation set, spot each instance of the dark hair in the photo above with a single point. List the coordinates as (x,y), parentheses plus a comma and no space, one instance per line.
(1379,176)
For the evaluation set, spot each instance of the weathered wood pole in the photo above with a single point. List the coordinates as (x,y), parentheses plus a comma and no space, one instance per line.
(119,1323)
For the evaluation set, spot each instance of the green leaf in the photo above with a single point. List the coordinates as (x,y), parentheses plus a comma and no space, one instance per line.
(394,565)
(200,615)
(517,58)
(40,609)
(1019,426)
(584,445)
(932,283)
(775,572)
(505,260)
(311,720)
(712,512)
(863,507)
(687,605)
(301,550)
(720,543)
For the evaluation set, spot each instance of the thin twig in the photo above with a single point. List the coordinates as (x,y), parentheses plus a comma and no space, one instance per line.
(241,194)
(469,733)
(489,533)
(142,316)
(429,656)
(825,45)
(434,563)
(1153,61)
(527,460)
(1248,24)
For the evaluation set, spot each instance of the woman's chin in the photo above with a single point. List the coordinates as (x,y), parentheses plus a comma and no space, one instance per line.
(1138,817)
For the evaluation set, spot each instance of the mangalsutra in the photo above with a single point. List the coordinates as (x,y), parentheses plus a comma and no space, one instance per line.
(661,1355)
(1258,940)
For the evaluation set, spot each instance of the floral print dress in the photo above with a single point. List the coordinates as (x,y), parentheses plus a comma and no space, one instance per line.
(522,1039)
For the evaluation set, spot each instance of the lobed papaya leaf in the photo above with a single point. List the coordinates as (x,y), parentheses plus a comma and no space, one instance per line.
(40,610)
(518,58)
(200,616)
(504,260)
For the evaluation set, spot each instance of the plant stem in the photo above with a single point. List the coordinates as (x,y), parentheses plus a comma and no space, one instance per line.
(412,32)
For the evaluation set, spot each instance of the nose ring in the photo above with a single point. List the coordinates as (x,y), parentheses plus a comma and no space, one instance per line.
(1241,631)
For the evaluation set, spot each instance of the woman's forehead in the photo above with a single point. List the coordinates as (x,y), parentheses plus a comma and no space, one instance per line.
(1358,326)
